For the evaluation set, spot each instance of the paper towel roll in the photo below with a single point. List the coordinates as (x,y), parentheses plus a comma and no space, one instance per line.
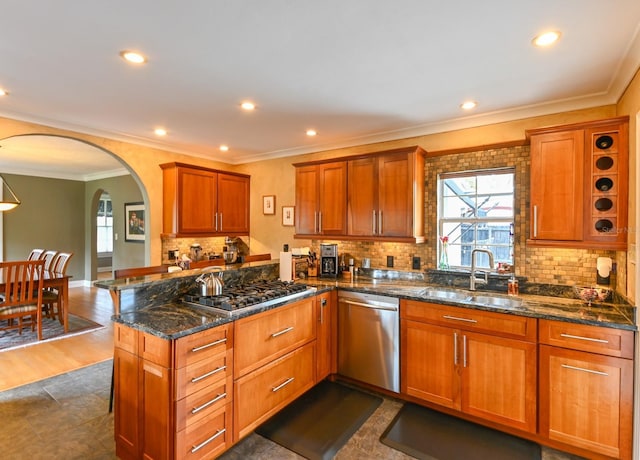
(286,266)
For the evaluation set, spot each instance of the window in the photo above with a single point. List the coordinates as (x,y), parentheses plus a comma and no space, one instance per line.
(475,210)
(105,225)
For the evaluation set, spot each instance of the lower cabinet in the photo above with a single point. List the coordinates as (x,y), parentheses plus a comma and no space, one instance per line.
(173,398)
(277,363)
(479,363)
(326,339)
(586,387)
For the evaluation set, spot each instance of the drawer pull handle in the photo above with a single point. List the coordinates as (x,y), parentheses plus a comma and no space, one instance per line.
(195,410)
(208,374)
(284,331)
(589,339)
(195,449)
(455,318)
(212,344)
(283,384)
(566,366)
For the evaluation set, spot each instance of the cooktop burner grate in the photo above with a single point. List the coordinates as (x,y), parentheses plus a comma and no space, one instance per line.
(235,299)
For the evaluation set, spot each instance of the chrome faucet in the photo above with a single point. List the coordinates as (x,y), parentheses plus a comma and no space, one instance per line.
(473,280)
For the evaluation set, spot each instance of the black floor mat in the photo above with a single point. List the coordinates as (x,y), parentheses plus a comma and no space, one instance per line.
(320,422)
(427,434)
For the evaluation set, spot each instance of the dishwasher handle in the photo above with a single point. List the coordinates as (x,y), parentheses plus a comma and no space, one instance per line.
(387,307)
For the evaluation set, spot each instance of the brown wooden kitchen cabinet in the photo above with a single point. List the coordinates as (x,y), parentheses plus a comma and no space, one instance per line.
(386,195)
(275,364)
(173,398)
(321,199)
(579,185)
(142,378)
(326,338)
(378,196)
(586,387)
(480,363)
(199,201)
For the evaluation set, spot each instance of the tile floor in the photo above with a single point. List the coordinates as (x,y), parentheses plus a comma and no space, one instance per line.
(66,417)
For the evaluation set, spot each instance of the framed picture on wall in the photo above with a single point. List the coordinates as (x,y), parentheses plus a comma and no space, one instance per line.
(287,216)
(134,222)
(269,204)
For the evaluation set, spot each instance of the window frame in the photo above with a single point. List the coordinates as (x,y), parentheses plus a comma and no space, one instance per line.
(475,220)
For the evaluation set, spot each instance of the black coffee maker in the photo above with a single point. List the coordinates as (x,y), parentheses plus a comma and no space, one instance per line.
(328,261)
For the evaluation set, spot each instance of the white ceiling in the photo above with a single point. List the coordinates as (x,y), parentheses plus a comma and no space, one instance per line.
(357,71)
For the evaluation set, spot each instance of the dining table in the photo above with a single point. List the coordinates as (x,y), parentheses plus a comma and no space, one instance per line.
(59,282)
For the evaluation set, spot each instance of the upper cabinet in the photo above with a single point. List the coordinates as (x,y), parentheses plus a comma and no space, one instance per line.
(579,185)
(204,202)
(321,199)
(377,196)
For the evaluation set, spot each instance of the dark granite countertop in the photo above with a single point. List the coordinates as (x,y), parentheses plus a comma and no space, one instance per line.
(167,317)
(616,315)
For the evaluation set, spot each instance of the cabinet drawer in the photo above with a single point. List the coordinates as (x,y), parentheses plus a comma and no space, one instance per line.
(201,374)
(125,338)
(262,393)
(595,339)
(473,320)
(206,438)
(203,403)
(266,336)
(203,345)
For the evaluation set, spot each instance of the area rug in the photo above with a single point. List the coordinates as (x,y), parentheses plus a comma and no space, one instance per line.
(51,330)
(427,435)
(321,421)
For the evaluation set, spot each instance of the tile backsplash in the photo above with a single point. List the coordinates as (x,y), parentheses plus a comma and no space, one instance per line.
(538,265)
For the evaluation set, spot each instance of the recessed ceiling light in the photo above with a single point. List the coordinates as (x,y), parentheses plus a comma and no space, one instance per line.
(311,132)
(3,92)
(468,105)
(160,132)
(248,105)
(133,56)
(224,148)
(546,38)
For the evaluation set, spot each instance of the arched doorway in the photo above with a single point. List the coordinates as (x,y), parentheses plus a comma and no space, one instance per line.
(52,162)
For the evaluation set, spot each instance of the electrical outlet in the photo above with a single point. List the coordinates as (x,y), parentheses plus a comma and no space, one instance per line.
(415,263)
(389,261)
(173,253)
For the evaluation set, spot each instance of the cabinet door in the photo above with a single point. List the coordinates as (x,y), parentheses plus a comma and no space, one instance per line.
(233,204)
(126,421)
(197,198)
(307,200)
(429,363)
(499,380)
(363,197)
(326,335)
(586,400)
(155,409)
(557,177)
(332,198)
(395,195)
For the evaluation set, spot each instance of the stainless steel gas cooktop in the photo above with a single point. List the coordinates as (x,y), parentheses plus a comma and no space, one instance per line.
(247,297)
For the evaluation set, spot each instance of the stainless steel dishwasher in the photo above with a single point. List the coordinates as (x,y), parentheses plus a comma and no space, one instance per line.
(368,339)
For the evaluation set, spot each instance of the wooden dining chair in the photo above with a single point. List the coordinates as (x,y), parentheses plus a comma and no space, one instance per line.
(139,271)
(257,257)
(206,263)
(51,299)
(49,257)
(22,294)
(36,254)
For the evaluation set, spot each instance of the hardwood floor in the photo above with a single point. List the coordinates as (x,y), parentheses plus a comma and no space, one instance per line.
(26,365)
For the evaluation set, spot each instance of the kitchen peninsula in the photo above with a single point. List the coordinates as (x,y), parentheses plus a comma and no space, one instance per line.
(191,382)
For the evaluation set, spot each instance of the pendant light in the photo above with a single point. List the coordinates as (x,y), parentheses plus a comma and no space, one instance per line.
(7,205)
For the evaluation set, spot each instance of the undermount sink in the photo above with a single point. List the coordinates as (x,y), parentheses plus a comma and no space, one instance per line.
(495,301)
(448,295)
